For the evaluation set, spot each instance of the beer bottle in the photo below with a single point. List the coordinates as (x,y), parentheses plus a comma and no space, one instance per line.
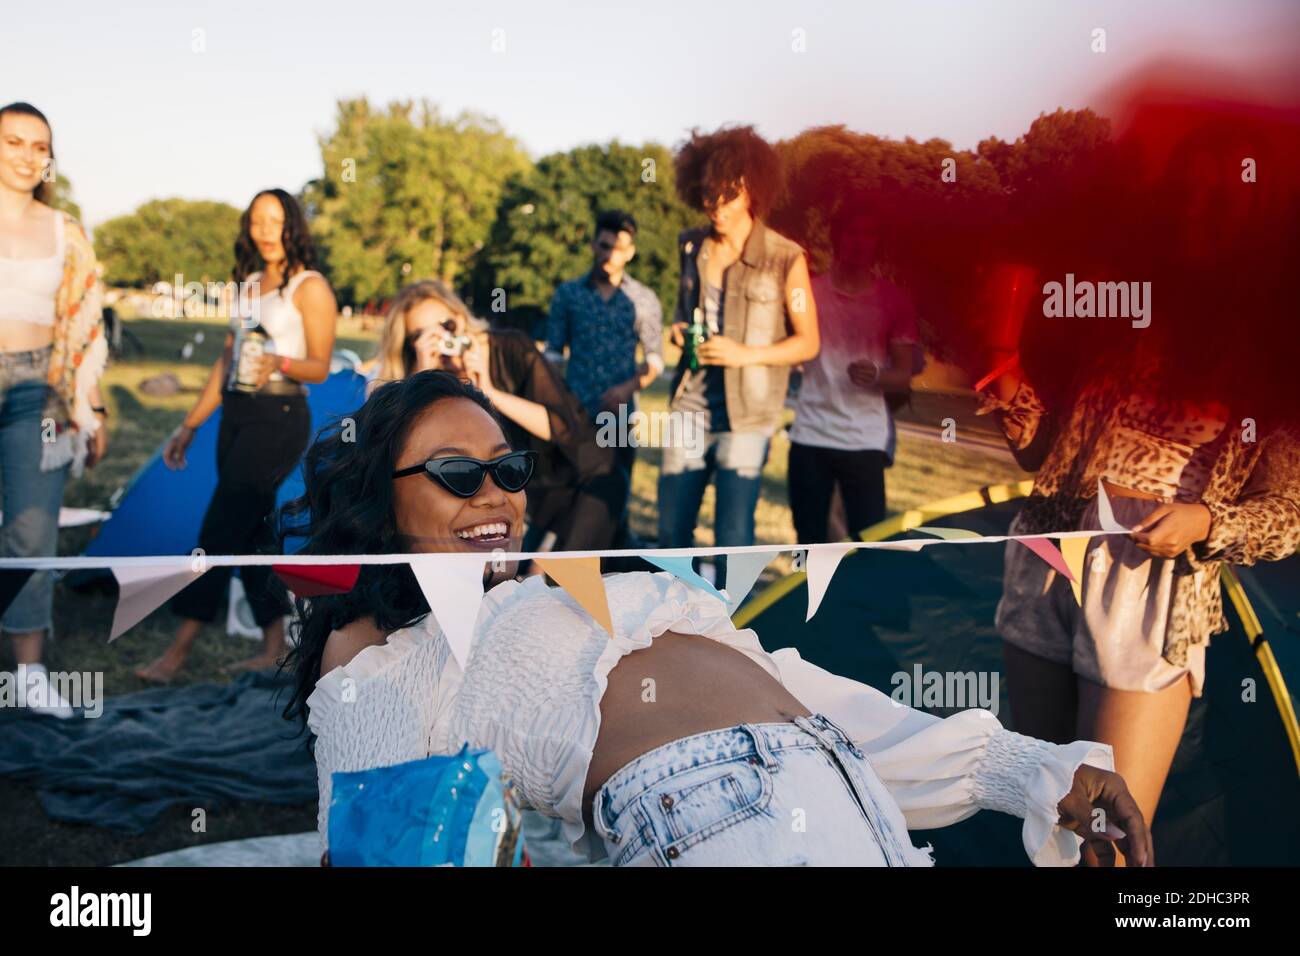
(696,333)
(246,358)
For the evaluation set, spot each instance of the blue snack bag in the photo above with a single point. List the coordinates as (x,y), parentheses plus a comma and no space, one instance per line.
(439,811)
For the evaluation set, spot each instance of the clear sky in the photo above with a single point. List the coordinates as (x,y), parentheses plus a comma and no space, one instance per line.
(138,114)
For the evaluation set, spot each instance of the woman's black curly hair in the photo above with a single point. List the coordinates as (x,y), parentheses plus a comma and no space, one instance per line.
(713,165)
(299,250)
(347,508)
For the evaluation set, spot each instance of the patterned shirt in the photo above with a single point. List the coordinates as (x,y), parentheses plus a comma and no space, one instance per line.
(602,336)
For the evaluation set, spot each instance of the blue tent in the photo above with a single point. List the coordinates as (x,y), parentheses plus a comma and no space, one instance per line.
(162,510)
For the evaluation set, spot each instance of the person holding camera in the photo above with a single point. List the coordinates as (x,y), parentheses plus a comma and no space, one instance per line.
(578,492)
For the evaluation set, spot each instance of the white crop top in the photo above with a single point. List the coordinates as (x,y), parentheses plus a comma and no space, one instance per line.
(537,670)
(279,318)
(28,287)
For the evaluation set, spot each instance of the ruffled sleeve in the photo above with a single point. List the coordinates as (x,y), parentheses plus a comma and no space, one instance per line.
(941,771)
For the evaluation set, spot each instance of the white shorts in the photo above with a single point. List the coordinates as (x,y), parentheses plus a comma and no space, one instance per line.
(1116,637)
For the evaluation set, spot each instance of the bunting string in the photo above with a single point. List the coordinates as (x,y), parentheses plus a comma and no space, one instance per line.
(452,582)
(178,561)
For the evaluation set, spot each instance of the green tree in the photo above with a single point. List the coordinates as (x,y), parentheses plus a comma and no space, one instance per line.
(62,197)
(406,193)
(166,237)
(1057,146)
(543,231)
(830,168)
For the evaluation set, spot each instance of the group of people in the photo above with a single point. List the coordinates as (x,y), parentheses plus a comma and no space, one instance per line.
(475,438)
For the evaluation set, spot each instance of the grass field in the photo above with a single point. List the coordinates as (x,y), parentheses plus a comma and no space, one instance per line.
(924,471)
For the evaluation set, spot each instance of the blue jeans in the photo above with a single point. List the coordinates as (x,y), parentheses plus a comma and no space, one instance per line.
(788,794)
(735,460)
(32,497)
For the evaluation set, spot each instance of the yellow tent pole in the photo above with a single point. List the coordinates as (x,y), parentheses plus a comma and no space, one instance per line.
(1264,654)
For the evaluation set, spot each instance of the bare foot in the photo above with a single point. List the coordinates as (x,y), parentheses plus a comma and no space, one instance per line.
(259,663)
(161,671)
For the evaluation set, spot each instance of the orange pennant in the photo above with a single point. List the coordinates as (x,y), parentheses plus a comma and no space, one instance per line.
(1073,550)
(580,578)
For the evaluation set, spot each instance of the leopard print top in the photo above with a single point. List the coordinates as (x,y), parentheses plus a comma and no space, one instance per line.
(1251,486)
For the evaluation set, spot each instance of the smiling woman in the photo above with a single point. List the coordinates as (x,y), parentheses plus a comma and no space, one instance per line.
(52,352)
(281,338)
(577,494)
(732,743)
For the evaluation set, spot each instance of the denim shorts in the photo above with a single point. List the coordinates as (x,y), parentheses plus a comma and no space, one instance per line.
(781,794)
(31,497)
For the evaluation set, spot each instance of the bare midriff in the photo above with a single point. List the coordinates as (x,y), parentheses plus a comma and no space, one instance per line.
(16,336)
(679,686)
(1120,491)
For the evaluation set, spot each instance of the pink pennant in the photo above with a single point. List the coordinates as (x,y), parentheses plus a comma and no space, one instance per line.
(1044,548)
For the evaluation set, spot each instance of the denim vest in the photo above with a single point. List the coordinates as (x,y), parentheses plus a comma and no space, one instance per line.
(754,313)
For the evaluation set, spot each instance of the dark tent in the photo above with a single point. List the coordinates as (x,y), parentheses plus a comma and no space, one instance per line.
(1232,793)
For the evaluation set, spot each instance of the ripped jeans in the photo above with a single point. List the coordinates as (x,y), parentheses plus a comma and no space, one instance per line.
(781,794)
(31,500)
(735,460)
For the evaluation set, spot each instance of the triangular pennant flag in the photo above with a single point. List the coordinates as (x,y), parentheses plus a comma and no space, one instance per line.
(1074,550)
(580,577)
(141,590)
(1105,516)
(948,534)
(681,568)
(453,586)
(822,563)
(313,580)
(743,570)
(11,582)
(1050,553)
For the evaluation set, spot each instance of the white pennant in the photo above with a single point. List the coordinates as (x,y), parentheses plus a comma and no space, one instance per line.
(141,590)
(822,563)
(1105,516)
(454,589)
(743,570)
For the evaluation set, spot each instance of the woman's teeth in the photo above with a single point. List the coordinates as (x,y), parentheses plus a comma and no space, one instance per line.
(480,532)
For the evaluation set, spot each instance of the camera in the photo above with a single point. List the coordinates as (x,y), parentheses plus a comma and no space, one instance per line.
(453,345)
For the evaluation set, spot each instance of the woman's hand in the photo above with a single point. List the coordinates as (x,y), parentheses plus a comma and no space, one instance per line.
(677,333)
(1173,528)
(427,353)
(720,350)
(864,373)
(476,361)
(178,444)
(267,364)
(98,446)
(1100,799)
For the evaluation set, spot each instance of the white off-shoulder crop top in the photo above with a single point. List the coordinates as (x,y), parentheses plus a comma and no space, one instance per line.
(531,690)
